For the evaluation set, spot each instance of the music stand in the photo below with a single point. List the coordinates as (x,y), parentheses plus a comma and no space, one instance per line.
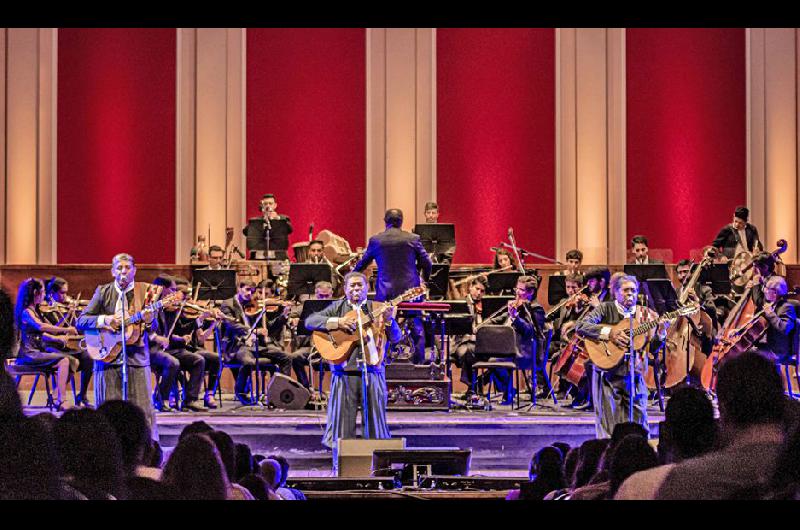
(310,307)
(718,276)
(438,282)
(304,276)
(497,282)
(259,243)
(651,271)
(492,304)
(661,295)
(556,289)
(215,284)
(437,238)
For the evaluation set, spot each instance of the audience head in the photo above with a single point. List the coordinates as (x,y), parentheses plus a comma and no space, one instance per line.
(271,471)
(227,452)
(256,485)
(194,470)
(10,404)
(90,453)
(196,427)
(244,460)
(749,391)
(155,456)
(284,468)
(29,468)
(563,447)
(129,422)
(630,455)
(589,456)
(547,464)
(570,464)
(689,428)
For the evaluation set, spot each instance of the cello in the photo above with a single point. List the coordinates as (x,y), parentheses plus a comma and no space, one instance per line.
(731,334)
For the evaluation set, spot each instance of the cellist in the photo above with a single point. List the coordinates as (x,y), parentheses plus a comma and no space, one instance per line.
(780,314)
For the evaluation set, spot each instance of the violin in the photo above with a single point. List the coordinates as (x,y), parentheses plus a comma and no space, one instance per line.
(268,305)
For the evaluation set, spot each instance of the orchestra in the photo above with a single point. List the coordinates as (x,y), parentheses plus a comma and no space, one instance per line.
(257,327)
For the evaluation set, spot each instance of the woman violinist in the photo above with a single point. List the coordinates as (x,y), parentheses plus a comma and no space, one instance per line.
(59,309)
(37,338)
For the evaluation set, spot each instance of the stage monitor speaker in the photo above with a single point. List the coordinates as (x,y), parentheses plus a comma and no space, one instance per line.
(285,393)
(355,454)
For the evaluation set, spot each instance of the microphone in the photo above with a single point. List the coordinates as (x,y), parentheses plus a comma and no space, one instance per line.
(510,233)
(311,231)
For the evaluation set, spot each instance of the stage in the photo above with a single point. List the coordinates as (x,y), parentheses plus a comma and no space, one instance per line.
(502,440)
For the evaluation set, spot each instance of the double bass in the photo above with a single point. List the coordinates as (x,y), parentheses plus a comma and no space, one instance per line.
(731,337)
(683,348)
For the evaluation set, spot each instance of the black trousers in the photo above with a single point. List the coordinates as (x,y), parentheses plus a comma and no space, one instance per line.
(167,365)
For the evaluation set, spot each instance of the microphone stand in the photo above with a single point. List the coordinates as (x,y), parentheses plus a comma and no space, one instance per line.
(631,366)
(123,301)
(362,362)
(267,229)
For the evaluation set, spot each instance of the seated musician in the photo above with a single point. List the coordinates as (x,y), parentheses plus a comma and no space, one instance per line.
(279,233)
(316,254)
(610,391)
(103,312)
(641,251)
(215,258)
(238,342)
(574,259)
(526,316)
(302,347)
(432,217)
(763,268)
(37,337)
(780,314)
(463,354)
(504,260)
(169,353)
(564,326)
(598,280)
(739,236)
(700,293)
(346,386)
(63,312)
(275,341)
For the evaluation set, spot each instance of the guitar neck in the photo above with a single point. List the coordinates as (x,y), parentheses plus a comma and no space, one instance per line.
(647,326)
(137,317)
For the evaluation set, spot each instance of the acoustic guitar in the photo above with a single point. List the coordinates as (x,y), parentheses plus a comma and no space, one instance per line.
(106,345)
(606,355)
(335,346)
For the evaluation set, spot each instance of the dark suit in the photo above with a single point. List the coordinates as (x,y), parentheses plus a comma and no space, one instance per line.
(232,335)
(728,239)
(108,376)
(399,255)
(781,330)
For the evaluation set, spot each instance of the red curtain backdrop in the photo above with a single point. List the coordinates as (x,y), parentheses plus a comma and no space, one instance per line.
(306,127)
(686,134)
(496,138)
(116,144)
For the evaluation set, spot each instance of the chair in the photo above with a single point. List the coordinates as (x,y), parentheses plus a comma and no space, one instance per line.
(235,366)
(793,359)
(499,343)
(18,371)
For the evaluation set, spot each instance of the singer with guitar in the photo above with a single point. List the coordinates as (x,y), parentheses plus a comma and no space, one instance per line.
(610,389)
(104,313)
(346,386)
